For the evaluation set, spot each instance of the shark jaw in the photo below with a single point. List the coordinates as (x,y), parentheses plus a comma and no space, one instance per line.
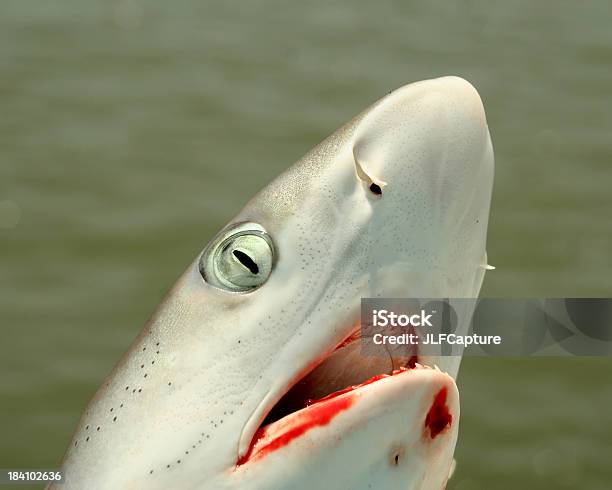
(396,430)
(319,413)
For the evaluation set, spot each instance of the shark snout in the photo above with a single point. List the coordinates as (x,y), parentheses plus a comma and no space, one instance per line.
(424,135)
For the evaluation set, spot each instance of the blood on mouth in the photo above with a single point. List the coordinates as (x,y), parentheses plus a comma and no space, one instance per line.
(317,413)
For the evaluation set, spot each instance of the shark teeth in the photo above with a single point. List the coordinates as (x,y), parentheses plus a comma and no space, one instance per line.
(418,365)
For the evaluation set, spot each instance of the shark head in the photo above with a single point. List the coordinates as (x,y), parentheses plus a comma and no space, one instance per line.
(217,390)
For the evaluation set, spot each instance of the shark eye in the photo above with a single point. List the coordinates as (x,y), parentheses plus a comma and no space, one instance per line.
(239,259)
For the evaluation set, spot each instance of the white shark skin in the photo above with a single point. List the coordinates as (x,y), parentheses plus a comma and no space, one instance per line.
(216,362)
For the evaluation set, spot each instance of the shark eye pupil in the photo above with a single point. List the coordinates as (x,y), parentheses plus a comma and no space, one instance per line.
(246,261)
(239,259)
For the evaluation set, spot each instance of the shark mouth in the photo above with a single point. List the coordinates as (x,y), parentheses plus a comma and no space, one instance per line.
(324,392)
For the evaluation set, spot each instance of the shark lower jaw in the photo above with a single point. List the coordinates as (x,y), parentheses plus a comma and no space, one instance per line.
(304,407)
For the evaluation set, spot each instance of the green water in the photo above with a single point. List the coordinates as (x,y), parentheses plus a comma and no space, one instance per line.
(131,131)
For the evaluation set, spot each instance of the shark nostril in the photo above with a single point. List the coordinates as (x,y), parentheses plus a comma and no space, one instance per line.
(376,189)
(375,185)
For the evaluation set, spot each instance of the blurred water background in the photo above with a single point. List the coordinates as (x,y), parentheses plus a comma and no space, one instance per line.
(130,131)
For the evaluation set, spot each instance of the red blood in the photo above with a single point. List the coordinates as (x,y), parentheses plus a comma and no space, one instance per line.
(306,420)
(438,418)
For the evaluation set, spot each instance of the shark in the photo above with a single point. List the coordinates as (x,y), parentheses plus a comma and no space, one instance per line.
(249,374)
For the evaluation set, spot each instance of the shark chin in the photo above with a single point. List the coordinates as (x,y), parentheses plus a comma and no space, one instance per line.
(250,374)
